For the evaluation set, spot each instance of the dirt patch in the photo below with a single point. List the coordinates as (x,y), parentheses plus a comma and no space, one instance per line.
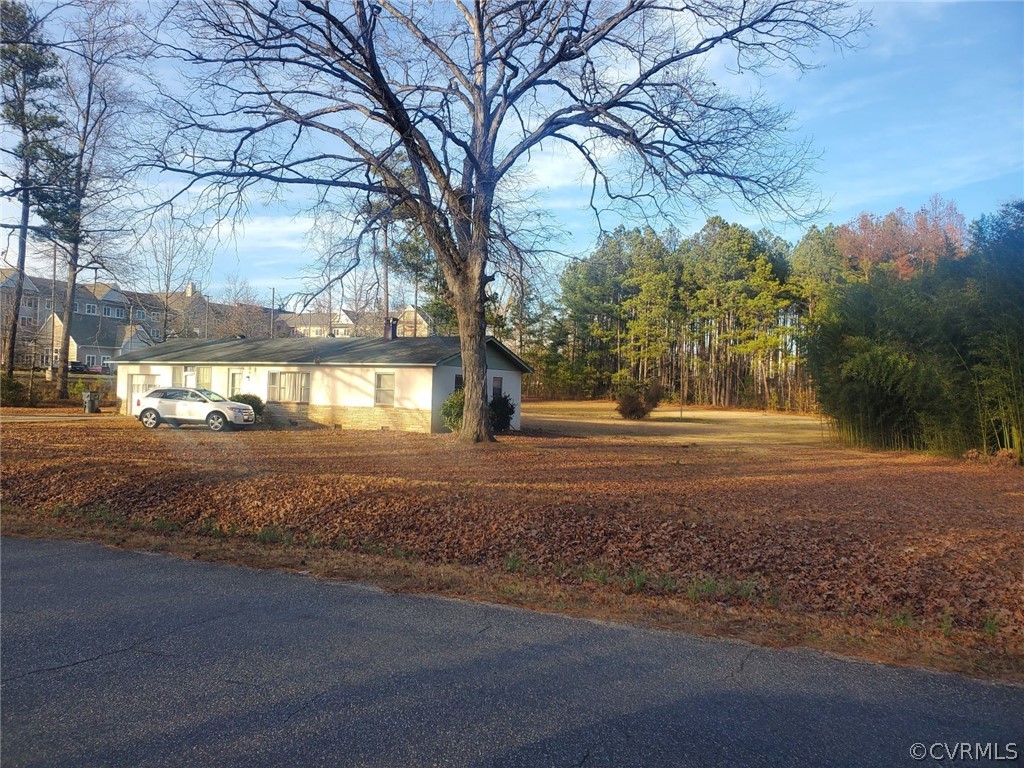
(774,534)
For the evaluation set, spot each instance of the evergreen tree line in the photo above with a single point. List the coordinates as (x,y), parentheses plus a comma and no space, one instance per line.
(906,330)
(933,359)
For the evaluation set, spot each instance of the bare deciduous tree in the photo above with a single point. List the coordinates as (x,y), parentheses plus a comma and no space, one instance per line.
(243,312)
(170,254)
(329,94)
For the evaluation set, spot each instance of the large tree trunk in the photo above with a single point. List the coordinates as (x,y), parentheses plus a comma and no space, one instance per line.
(19,280)
(469,310)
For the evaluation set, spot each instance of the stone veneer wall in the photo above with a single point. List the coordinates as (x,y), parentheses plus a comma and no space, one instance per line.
(398,419)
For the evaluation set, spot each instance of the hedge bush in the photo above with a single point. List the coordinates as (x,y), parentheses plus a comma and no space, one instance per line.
(502,409)
(451,410)
(12,391)
(258,406)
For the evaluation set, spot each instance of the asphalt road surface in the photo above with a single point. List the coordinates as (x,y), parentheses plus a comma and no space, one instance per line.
(127,659)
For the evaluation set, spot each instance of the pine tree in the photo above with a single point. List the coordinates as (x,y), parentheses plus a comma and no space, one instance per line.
(27,81)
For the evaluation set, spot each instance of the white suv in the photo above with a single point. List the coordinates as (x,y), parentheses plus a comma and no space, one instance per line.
(185,405)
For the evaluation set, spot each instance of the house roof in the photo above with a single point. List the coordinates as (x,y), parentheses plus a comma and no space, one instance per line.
(424,351)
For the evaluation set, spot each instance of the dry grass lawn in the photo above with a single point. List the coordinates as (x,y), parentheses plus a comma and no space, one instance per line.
(721,522)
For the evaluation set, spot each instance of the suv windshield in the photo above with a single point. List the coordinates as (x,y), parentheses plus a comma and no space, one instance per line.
(213,397)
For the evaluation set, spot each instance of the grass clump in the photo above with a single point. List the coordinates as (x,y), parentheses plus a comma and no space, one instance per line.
(513,562)
(636,579)
(269,534)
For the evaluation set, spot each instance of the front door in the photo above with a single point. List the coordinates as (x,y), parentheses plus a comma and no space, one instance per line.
(235,379)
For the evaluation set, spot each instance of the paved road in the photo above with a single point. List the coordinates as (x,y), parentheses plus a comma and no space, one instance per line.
(128,659)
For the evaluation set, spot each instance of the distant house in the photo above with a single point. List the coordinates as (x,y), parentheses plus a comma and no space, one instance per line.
(192,314)
(413,321)
(316,325)
(354,383)
(98,309)
(95,340)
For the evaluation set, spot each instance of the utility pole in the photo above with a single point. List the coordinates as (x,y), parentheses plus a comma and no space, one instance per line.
(53,313)
(272,300)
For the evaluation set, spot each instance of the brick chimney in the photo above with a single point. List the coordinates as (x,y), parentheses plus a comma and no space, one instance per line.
(390,328)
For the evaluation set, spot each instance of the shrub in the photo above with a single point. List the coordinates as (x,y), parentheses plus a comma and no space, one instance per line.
(451,410)
(502,410)
(635,402)
(652,395)
(12,391)
(630,406)
(258,406)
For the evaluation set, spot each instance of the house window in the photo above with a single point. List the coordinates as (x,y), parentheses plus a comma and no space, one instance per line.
(77,310)
(204,377)
(120,312)
(49,304)
(90,360)
(108,311)
(459,383)
(56,356)
(28,303)
(287,387)
(177,376)
(90,309)
(496,387)
(105,359)
(154,316)
(140,314)
(384,389)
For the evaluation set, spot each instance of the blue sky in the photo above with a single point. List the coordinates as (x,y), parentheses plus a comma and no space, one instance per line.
(931,103)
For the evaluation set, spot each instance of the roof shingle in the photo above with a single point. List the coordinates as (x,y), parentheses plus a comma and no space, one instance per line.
(430,351)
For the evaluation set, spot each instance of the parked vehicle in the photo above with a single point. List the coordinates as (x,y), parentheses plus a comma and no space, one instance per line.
(187,405)
(101,369)
(76,367)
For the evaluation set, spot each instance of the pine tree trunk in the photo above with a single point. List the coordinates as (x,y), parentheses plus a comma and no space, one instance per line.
(19,280)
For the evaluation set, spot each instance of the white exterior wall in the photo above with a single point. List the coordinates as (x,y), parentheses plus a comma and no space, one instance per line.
(328,385)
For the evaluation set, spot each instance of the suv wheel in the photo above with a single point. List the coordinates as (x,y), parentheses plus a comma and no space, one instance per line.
(217,422)
(150,419)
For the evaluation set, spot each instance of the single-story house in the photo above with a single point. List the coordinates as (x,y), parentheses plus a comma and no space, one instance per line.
(354,383)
